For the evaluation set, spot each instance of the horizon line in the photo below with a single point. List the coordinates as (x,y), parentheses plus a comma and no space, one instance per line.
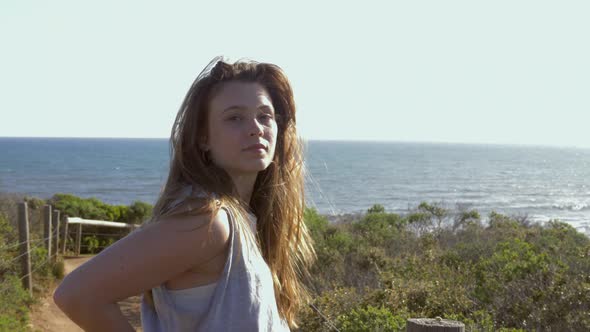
(339,140)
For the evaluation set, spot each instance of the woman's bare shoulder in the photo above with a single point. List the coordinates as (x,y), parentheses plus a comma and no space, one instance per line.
(146,258)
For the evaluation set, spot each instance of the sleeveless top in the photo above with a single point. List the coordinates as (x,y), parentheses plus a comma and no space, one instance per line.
(243,299)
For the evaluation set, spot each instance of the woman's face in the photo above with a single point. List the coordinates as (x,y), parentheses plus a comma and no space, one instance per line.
(241,114)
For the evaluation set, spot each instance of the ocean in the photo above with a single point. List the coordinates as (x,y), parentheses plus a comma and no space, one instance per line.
(343,177)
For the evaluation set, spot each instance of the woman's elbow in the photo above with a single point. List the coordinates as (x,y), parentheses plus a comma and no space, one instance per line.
(71,303)
(69,296)
(63,297)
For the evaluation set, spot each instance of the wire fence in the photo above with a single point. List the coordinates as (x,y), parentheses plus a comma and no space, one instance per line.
(31,248)
(43,220)
(5,289)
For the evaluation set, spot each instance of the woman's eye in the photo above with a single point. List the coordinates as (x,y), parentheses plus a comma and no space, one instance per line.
(265,117)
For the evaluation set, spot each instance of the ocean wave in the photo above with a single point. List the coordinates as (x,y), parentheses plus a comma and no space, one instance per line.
(526,204)
(572,206)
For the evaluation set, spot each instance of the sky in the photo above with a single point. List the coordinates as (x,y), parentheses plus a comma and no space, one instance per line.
(499,72)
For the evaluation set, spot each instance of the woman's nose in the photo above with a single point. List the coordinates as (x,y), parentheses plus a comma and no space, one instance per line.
(256,129)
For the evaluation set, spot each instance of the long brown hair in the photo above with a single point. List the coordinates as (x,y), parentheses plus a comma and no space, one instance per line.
(278,196)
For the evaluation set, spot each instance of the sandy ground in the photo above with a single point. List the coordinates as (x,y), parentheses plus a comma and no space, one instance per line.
(47,317)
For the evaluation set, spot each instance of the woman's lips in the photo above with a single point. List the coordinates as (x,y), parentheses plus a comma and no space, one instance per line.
(258,150)
(256,147)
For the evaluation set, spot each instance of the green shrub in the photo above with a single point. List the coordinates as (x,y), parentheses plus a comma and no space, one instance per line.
(14,304)
(138,212)
(316,223)
(34,203)
(330,305)
(58,269)
(378,228)
(512,260)
(7,238)
(39,264)
(507,275)
(107,242)
(477,321)
(377,208)
(15,301)
(92,208)
(92,244)
(371,319)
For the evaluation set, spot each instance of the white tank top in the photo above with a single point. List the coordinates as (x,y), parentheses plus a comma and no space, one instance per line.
(196,300)
(243,298)
(193,301)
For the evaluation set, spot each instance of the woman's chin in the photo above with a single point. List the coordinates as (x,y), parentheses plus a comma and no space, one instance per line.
(252,167)
(260,165)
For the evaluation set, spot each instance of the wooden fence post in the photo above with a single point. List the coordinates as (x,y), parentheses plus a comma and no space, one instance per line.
(65,235)
(23,237)
(47,228)
(78,238)
(56,227)
(433,325)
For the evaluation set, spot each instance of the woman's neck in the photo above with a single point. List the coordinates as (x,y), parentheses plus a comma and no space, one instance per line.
(245,186)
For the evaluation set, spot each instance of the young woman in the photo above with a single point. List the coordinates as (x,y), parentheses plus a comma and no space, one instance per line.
(226,247)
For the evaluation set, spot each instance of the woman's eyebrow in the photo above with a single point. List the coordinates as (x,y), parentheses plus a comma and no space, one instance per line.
(242,107)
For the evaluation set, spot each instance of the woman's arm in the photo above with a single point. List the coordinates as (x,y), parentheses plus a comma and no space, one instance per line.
(92,318)
(140,261)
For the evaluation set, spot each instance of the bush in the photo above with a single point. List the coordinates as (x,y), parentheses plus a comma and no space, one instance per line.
(377,208)
(58,269)
(330,305)
(480,321)
(316,223)
(7,238)
(138,212)
(378,228)
(503,275)
(371,319)
(15,300)
(92,208)
(92,244)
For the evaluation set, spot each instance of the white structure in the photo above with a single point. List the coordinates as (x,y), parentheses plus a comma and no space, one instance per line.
(77,220)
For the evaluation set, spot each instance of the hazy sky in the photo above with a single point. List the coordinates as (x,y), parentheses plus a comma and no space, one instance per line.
(512,72)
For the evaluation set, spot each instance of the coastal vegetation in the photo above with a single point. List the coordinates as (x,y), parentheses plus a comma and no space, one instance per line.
(502,274)
(15,301)
(375,270)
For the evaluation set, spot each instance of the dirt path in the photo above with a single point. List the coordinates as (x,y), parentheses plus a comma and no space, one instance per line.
(47,317)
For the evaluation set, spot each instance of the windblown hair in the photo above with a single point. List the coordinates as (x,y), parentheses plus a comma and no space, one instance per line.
(278,196)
